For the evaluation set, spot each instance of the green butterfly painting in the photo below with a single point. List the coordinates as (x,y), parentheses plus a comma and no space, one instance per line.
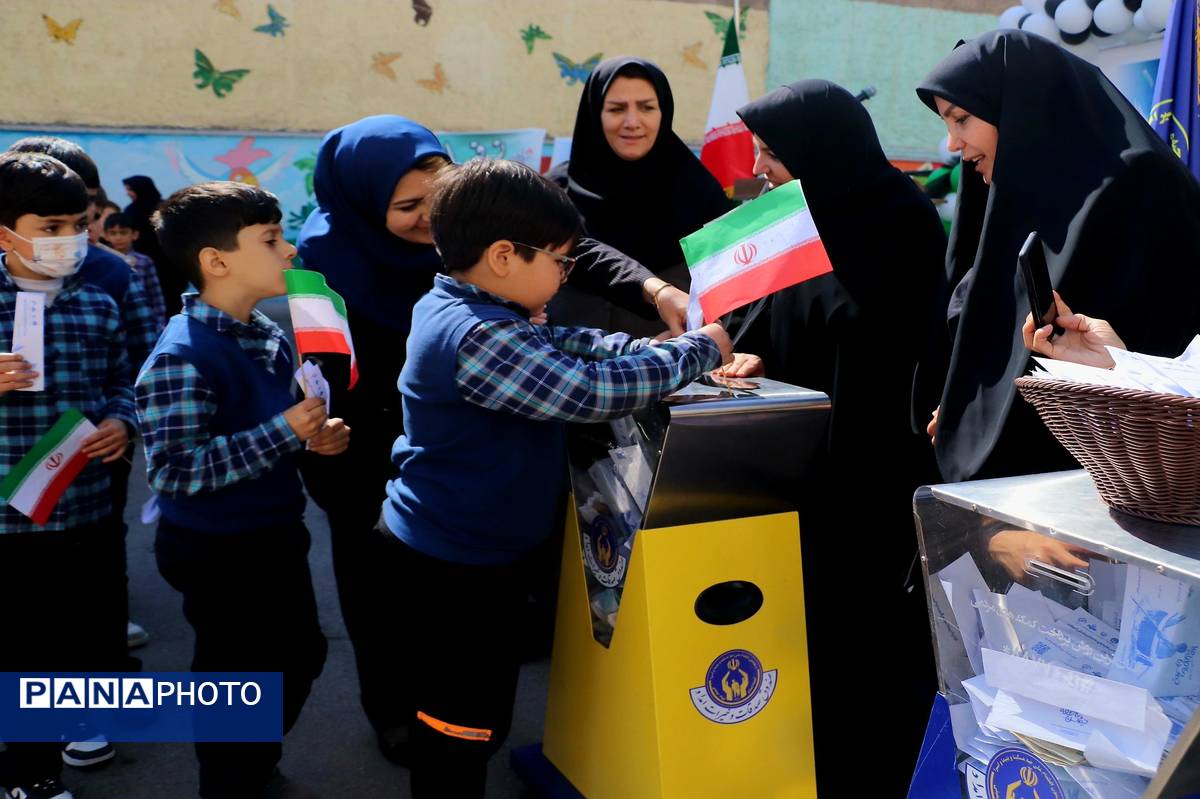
(721,24)
(220,81)
(531,34)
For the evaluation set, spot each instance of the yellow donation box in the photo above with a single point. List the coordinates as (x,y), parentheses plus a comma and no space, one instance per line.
(680,665)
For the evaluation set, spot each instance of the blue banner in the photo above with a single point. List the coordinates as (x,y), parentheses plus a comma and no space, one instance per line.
(1175,112)
(154,707)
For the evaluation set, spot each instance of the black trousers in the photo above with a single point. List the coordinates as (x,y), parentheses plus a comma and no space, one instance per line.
(65,615)
(249,598)
(460,625)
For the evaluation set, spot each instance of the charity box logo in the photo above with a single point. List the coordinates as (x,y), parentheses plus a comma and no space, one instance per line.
(736,688)
(602,552)
(1017,774)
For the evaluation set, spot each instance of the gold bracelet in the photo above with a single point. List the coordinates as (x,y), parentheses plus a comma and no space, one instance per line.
(654,296)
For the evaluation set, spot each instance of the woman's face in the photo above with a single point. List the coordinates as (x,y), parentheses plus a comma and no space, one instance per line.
(131,194)
(971,136)
(631,117)
(408,210)
(768,165)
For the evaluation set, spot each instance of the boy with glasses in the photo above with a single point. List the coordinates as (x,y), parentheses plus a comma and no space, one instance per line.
(482,460)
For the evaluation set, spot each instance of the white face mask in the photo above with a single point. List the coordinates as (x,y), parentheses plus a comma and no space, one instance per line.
(54,256)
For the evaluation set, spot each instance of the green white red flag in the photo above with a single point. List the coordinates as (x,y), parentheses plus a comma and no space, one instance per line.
(39,479)
(319,317)
(728,150)
(754,250)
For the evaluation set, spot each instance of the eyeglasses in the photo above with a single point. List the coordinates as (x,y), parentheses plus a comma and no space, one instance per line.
(565,262)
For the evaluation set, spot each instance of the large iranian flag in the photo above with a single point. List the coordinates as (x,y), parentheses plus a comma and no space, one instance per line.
(728,149)
(36,483)
(755,250)
(319,317)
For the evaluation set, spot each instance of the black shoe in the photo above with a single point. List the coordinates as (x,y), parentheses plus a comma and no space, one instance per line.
(393,743)
(50,788)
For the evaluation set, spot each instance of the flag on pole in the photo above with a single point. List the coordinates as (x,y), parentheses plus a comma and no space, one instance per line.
(319,317)
(36,483)
(754,250)
(728,150)
(1175,112)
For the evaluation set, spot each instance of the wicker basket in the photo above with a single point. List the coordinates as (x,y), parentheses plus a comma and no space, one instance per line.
(1141,448)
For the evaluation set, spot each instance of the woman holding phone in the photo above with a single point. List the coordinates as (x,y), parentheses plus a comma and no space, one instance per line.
(1049,145)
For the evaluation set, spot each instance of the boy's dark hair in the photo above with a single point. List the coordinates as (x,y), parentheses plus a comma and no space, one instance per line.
(210,215)
(68,152)
(483,201)
(104,206)
(119,219)
(31,183)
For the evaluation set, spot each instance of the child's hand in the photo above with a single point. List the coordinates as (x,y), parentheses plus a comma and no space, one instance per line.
(14,373)
(332,440)
(108,442)
(539,318)
(721,339)
(306,418)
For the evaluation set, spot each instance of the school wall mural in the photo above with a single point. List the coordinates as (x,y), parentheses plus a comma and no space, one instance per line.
(311,65)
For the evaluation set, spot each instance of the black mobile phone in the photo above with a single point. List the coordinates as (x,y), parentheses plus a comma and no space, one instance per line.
(1037,283)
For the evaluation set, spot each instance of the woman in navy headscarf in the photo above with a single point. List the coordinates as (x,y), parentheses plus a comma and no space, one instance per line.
(370,237)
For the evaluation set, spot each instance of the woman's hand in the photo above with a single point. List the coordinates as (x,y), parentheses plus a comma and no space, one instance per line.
(108,442)
(333,438)
(1083,340)
(931,428)
(743,365)
(1013,549)
(670,302)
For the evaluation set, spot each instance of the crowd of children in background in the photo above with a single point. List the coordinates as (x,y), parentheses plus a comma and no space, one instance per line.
(211,392)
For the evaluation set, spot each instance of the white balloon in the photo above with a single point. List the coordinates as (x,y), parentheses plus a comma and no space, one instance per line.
(946,210)
(1157,13)
(1141,23)
(1034,6)
(1073,16)
(1113,17)
(1043,26)
(1011,18)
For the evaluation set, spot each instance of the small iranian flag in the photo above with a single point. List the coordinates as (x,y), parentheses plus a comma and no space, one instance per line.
(755,250)
(728,149)
(35,484)
(319,317)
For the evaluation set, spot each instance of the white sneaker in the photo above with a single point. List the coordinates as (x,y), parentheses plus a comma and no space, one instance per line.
(135,635)
(89,753)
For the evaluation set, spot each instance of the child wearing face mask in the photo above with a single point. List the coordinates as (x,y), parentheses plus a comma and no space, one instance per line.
(43,240)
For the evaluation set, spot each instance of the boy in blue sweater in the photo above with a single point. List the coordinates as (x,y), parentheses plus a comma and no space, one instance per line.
(222,433)
(482,460)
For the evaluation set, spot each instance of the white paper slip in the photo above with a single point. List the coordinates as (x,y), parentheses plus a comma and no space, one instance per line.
(1159,374)
(29,323)
(960,580)
(1107,785)
(999,624)
(1160,635)
(314,383)
(1192,354)
(1078,373)
(1095,697)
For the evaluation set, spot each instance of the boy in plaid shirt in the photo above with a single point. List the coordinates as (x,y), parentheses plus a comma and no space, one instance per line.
(222,433)
(482,459)
(43,236)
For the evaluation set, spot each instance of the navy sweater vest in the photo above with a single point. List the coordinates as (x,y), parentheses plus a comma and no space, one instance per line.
(246,395)
(475,486)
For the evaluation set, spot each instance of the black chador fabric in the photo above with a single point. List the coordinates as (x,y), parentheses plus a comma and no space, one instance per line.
(849,334)
(644,207)
(1119,216)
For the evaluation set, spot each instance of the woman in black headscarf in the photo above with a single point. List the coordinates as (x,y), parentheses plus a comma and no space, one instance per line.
(144,201)
(1049,144)
(637,185)
(847,334)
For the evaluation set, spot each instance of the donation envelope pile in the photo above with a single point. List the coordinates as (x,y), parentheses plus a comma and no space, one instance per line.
(1100,693)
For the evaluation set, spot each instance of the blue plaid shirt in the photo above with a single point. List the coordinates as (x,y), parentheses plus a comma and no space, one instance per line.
(87,368)
(145,273)
(174,407)
(570,374)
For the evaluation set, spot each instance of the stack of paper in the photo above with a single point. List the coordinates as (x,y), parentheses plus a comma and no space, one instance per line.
(1134,370)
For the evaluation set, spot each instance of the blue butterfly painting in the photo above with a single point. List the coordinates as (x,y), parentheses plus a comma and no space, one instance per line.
(276,25)
(576,73)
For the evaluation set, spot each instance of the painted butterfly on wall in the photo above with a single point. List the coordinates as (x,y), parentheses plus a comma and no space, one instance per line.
(531,34)
(576,73)
(276,24)
(208,75)
(721,24)
(437,83)
(62,33)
